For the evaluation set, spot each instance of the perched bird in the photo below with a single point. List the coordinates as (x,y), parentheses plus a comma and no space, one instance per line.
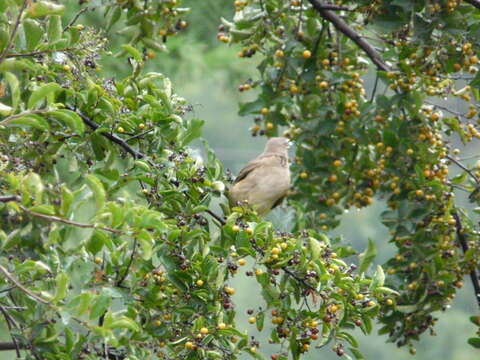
(264,181)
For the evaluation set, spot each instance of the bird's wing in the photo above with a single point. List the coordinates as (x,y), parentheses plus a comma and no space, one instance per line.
(252,165)
(278,202)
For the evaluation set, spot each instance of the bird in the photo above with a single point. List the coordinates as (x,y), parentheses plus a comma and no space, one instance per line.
(264,182)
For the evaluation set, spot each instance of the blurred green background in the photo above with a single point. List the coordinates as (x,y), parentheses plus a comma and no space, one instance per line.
(207,73)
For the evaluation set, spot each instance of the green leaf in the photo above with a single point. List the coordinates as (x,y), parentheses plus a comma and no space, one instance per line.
(33,121)
(113,17)
(41,93)
(43,209)
(475,342)
(96,242)
(43,8)
(101,304)
(14,85)
(260,320)
(132,51)
(62,281)
(378,278)
(6,110)
(55,30)
(315,248)
(367,257)
(146,242)
(71,119)
(98,190)
(194,131)
(35,33)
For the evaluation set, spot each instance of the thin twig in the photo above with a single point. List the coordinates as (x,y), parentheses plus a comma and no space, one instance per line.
(14,31)
(8,320)
(132,255)
(335,7)
(350,33)
(475,3)
(93,125)
(139,135)
(7,198)
(374,91)
(7,346)
(456,113)
(216,217)
(300,280)
(21,287)
(75,18)
(463,242)
(41,52)
(467,170)
(70,222)
(22,114)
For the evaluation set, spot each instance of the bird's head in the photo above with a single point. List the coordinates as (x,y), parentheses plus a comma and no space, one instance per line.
(277,145)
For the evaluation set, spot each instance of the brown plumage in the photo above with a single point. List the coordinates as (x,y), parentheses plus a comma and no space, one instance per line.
(264,181)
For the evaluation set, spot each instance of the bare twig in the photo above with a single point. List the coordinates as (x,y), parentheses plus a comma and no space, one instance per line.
(70,222)
(75,18)
(444,108)
(298,279)
(139,135)
(7,198)
(22,114)
(475,3)
(341,26)
(464,244)
(216,217)
(463,167)
(93,125)
(41,52)
(14,31)
(7,346)
(132,255)
(8,320)
(335,7)
(21,287)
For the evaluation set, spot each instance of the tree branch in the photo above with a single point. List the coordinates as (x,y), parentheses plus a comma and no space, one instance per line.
(125,274)
(463,242)
(335,7)
(93,125)
(70,222)
(14,31)
(8,320)
(7,198)
(7,346)
(21,287)
(475,3)
(460,165)
(341,26)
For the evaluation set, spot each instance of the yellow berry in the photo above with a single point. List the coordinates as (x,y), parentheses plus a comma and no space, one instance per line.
(307,54)
(204,331)
(199,282)
(252,319)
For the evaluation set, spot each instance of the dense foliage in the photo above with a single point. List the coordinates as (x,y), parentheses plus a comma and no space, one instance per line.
(108,245)
(394,143)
